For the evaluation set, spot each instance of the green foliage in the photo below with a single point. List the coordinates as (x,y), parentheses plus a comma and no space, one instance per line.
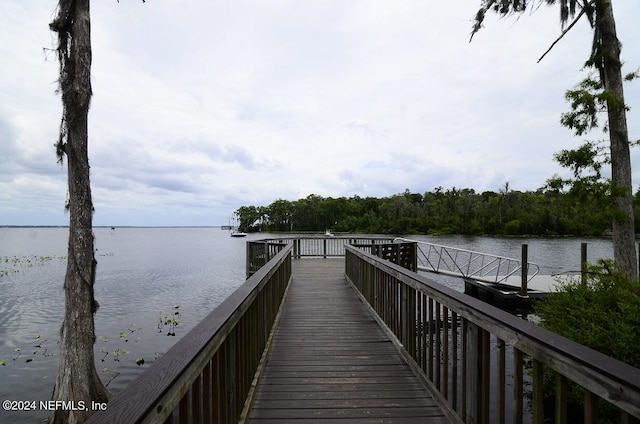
(589,156)
(587,186)
(602,313)
(587,101)
(579,206)
(512,227)
(632,76)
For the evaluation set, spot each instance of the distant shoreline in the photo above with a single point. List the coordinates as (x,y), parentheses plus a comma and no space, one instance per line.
(113,226)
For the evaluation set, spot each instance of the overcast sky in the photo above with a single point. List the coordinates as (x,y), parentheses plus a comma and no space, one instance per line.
(201,107)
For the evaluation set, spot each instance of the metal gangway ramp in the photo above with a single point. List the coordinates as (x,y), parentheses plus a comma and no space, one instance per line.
(468,263)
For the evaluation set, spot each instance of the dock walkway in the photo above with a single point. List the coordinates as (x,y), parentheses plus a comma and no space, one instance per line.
(329,359)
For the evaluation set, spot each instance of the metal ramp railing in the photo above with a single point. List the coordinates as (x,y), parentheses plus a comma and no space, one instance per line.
(467,263)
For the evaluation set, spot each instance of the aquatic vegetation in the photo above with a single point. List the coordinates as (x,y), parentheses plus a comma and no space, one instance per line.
(122,336)
(40,350)
(115,374)
(171,321)
(112,349)
(15,263)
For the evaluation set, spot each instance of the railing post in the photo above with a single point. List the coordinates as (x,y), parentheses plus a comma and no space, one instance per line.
(473,366)
(583,263)
(561,399)
(518,389)
(591,407)
(538,392)
(230,377)
(404,319)
(485,379)
(502,386)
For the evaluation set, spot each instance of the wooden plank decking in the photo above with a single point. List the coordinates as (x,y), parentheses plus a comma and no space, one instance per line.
(331,361)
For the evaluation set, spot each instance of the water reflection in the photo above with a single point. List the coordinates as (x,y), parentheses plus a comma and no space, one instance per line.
(141,271)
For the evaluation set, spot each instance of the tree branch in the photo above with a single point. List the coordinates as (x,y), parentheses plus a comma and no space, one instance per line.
(577,18)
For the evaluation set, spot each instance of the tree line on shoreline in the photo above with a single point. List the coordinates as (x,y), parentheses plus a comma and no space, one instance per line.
(547,211)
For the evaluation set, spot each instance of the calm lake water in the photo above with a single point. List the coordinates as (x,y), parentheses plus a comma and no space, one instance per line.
(147,272)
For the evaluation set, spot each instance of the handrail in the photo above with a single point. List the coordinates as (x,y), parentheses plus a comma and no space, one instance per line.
(468,263)
(447,336)
(323,246)
(207,375)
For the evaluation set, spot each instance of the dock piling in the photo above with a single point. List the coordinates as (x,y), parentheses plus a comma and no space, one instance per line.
(524,262)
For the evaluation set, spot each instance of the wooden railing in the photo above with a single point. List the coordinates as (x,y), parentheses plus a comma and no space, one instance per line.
(207,375)
(322,246)
(261,252)
(460,346)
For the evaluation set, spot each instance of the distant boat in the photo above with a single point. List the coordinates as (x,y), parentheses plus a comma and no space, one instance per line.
(236,233)
(233,228)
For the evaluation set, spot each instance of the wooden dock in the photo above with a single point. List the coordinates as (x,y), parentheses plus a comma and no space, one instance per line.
(329,359)
(339,339)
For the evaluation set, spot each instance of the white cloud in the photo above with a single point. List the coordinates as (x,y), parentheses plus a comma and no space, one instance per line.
(200,108)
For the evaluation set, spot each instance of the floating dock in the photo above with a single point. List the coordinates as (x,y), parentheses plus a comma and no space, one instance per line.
(507,293)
